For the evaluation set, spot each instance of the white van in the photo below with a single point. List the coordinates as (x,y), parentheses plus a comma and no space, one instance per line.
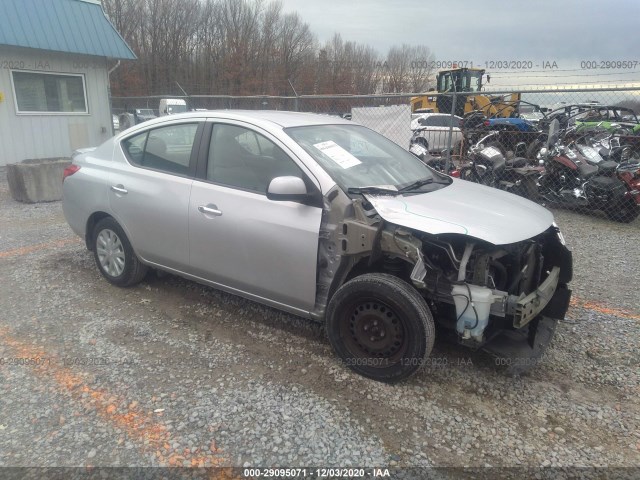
(171,106)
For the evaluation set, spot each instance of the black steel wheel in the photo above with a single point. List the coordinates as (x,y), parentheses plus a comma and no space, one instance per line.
(380,327)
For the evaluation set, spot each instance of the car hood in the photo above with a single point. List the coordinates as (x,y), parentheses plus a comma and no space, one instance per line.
(469,209)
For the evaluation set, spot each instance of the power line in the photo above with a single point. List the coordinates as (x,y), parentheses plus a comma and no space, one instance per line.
(615,82)
(636,72)
(547,70)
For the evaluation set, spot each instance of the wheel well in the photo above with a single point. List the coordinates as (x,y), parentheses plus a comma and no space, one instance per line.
(395,266)
(91,223)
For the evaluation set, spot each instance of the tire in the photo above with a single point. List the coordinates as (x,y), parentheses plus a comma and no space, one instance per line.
(375,305)
(114,255)
(625,211)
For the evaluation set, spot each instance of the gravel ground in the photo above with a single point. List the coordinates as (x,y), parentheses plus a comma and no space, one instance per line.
(174,373)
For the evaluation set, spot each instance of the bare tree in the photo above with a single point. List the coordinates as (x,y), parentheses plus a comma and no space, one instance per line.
(244,47)
(420,69)
(408,69)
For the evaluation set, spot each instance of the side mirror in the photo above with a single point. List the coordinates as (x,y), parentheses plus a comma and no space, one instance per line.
(290,189)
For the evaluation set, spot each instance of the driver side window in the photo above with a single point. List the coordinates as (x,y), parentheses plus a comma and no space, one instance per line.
(244,159)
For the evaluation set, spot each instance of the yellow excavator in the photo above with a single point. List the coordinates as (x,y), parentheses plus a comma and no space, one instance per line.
(465,82)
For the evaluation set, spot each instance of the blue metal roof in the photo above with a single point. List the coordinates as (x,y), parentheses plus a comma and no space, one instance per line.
(72,26)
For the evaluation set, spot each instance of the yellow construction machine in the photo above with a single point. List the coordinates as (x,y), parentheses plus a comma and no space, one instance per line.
(465,82)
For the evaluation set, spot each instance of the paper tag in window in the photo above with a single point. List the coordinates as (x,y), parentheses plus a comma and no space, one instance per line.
(338,154)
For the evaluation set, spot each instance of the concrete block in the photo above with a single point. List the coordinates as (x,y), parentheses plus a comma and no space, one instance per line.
(39,180)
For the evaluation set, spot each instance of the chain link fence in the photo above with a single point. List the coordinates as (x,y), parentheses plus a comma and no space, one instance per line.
(567,148)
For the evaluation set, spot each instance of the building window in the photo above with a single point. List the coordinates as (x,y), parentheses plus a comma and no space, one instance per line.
(37,92)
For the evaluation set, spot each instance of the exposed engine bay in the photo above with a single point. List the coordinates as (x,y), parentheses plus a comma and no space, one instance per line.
(509,284)
(474,288)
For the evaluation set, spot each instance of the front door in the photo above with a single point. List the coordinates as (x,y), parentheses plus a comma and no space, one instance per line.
(240,239)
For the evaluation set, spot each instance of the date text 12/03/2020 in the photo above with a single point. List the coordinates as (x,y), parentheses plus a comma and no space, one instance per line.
(315,473)
(487,64)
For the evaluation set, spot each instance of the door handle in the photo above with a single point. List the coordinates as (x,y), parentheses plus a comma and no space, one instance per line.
(119,189)
(210,210)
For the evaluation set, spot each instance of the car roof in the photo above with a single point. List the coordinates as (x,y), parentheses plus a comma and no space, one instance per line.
(275,117)
(438,114)
(428,115)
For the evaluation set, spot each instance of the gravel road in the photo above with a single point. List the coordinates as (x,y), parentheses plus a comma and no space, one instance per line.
(172,373)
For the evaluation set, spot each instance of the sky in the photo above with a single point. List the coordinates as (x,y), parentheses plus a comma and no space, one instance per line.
(516,41)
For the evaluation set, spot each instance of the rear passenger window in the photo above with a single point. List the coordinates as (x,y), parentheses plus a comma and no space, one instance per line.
(167,149)
(134,147)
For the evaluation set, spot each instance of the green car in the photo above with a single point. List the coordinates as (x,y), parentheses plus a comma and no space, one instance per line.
(606,118)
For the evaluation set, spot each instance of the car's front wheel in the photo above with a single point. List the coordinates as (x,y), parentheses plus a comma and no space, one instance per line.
(380,327)
(114,255)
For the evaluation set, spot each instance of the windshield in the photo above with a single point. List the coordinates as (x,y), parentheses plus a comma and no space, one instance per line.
(472,82)
(356,157)
(527,108)
(465,80)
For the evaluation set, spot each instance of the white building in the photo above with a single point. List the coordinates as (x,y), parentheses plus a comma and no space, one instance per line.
(54,84)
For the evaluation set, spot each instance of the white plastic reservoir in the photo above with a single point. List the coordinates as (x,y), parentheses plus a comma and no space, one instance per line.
(481,299)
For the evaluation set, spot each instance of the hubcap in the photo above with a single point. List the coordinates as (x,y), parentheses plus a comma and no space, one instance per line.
(110,252)
(374,331)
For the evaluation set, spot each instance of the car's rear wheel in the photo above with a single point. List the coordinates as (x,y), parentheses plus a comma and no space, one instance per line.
(114,255)
(380,327)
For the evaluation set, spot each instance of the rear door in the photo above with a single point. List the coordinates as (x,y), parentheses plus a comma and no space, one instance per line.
(238,237)
(149,193)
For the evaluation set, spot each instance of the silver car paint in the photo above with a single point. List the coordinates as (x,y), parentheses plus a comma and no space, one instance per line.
(468,209)
(436,136)
(154,211)
(280,284)
(254,244)
(84,192)
(270,123)
(274,243)
(157,208)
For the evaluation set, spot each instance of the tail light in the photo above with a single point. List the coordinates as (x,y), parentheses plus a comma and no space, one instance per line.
(70,170)
(487,123)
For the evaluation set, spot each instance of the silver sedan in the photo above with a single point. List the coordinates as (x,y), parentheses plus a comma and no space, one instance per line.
(431,130)
(325,219)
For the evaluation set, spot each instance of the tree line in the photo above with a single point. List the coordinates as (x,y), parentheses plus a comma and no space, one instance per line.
(250,47)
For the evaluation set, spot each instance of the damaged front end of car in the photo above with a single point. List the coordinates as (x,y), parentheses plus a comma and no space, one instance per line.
(503,298)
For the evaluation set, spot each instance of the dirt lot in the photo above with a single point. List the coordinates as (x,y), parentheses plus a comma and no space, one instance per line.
(173,373)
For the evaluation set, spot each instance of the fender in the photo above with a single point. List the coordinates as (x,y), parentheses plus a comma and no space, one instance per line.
(563,160)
